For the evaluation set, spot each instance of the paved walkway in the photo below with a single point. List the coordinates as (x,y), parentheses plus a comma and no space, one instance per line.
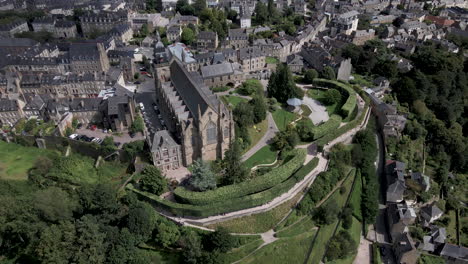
(265,140)
(319,111)
(364,252)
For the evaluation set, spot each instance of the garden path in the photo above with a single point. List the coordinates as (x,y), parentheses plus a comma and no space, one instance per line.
(265,140)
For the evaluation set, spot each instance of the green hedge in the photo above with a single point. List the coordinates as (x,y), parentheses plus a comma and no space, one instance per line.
(255,185)
(328,127)
(229,205)
(350,104)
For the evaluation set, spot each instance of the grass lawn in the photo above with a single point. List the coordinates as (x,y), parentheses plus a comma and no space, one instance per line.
(163,257)
(258,223)
(361,80)
(430,259)
(355,199)
(240,252)
(452,227)
(265,155)
(319,94)
(284,250)
(355,232)
(283,118)
(233,100)
(306,110)
(304,225)
(271,60)
(325,232)
(256,132)
(16,160)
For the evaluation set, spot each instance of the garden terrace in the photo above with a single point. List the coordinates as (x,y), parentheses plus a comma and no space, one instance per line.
(350,105)
(331,125)
(248,187)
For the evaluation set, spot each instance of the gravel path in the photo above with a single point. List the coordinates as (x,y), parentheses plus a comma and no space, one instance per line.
(319,111)
(364,252)
(265,140)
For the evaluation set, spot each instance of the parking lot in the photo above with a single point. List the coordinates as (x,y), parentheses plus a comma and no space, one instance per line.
(150,114)
(98,133)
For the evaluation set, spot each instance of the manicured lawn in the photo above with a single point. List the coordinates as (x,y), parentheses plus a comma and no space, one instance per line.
(452,227)
(355,232)
(258,223)
(284,250)
(319,94)
(271,60)
(233,100)
(283,118)
(325,232)
(256,132)
(265,155)
(430,259)
(16,160)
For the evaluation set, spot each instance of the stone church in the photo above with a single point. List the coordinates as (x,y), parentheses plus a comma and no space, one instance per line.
(197,119)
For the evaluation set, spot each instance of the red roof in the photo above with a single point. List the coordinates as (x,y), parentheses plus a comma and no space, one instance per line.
(440,21)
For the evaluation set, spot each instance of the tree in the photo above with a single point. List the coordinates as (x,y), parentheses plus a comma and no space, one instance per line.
(54,204)
(137,125)
(249,87)
(191,243)
(328,73)
(167,233)
(347,217)
(220,240)
(259,108)
(281,85)
(326,213)
(90,242)
(199,5)
(30,125)
(183,7)
(152,181)
(235,170)
(133,148)
(261,13)
(310,75)
(340,246)
(108,145)
(141,221)
(304,128)
(187,36)
(332,96)
(203,177)
(243,114)
(136,76)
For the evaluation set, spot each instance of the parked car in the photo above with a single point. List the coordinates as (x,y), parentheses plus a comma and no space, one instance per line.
(95,140)
(132,135)
(93,127)
(73,136)
(142,107)
(80,125)
(159,116)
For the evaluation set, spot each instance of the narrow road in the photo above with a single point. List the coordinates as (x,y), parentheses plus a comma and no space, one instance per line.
(265,140)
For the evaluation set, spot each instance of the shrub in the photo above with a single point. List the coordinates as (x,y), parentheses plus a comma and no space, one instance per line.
(238,190)
(250,87)
(152,180)
(219,89)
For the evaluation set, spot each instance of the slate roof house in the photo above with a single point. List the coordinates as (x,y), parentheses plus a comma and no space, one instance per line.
(221,74)
(119,113)
(430,213)
(9,30)
(165,151)
(207,40)
(405,250)
(453,253)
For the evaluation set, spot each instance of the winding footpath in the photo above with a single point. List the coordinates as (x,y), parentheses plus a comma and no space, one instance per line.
(265,140)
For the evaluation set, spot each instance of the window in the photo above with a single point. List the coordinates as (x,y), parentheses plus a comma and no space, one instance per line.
(226,132)
(211,133)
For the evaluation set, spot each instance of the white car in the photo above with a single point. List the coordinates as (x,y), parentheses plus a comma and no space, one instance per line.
(95,140)
(73,136)
(142,107)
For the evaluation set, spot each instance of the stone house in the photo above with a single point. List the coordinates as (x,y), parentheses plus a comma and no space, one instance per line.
(347,22)
(10,112)
(46,24)
(85,110)
(102,21)
(122,33)
(222,74)
(166,153)
(199,121)
(252,59)
(430,213)
(9,30)
(207,40)
(88,57)
(295,62)
(405,250)
(65,29)
(238,38)
(119,113)
(174,33)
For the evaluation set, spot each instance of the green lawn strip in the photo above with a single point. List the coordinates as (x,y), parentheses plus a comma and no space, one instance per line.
(258,223)
(326,232)
(232,100)
(283,118)
(241,252)
(376,259)
(361,80)
(305,225)
(355,200)
(271,60)
(284,250)
(256,132)
(16,160)
(355,232)
(265,155)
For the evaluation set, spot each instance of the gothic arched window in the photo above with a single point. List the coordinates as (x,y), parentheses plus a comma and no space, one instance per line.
(211,133)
